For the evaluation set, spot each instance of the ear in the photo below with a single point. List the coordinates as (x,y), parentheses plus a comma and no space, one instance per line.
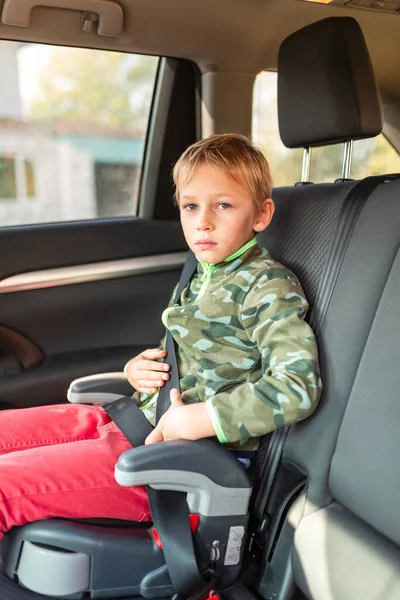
(265,215)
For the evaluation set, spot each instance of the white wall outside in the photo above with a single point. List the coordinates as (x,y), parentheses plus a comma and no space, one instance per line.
(64,179)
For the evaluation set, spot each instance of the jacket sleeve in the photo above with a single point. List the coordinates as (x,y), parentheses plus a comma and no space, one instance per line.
(289,387)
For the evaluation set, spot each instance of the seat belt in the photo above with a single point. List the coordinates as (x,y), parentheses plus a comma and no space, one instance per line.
(124,411)
(164,401)
(351,210)
(169,509)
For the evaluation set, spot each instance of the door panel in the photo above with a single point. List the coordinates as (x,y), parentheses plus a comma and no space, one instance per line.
(87,327)
(34,247)
(98,324)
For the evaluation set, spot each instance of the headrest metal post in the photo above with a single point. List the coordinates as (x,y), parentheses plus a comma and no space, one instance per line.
(305,169)
(347,157)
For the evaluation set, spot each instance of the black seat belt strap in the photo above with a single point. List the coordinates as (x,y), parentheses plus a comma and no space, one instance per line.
(163,401)
(169,509)
(124,412)
(188,271)
(170,514)
(351,210)
(129,419)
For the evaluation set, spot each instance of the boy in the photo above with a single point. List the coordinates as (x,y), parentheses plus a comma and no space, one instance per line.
(247,360)
(245,352)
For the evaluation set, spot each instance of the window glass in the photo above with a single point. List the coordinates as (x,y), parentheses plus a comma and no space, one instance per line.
(370,157)
(285,164)
(72,130)
(374,157)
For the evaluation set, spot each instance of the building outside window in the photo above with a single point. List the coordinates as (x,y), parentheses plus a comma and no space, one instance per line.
(72,128)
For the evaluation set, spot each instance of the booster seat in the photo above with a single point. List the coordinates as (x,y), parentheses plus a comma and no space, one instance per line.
(115,558)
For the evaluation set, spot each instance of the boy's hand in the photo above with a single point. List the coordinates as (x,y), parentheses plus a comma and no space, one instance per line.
(145,373)
(182,422)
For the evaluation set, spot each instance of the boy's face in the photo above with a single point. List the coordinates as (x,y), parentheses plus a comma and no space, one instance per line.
(218,214)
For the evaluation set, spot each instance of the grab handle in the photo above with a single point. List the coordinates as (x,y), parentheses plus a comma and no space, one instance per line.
(18,12)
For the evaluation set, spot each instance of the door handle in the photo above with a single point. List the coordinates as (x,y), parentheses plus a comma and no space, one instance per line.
(18,12)
(17,353)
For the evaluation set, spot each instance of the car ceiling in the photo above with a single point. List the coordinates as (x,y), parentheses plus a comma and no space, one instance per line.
(241,36)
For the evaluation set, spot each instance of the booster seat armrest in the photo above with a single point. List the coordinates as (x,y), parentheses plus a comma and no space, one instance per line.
(99,389)
(215,481)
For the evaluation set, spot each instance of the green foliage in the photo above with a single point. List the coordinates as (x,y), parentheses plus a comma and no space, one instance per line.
(95,88)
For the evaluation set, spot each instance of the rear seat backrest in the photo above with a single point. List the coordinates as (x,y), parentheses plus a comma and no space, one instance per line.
(345,331)
(347,544)
(364,473)
(347,541)
(303,229)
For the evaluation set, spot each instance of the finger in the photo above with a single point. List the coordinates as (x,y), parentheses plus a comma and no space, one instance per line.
(175,396)
(127,366)
(151,365)
(154,437)
(145,375)
(153,353)
(145,383)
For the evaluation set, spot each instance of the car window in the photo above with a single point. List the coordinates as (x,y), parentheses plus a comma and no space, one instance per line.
(370,157)
(72,130)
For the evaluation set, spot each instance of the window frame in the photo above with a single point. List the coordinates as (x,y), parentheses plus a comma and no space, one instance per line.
(20,162)
(174,124)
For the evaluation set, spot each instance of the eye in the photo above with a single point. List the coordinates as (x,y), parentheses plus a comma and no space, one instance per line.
(191,206)
(224,205)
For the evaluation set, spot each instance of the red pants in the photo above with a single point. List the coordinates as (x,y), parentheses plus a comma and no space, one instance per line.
(58,461)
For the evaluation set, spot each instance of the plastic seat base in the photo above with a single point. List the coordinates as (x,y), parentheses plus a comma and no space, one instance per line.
(76,561)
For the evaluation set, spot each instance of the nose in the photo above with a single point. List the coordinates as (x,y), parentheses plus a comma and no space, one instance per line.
(204,222)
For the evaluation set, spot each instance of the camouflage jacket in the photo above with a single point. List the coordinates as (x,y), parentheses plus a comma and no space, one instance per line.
(243,347)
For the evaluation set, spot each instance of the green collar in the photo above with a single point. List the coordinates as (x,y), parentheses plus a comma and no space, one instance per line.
(242,250)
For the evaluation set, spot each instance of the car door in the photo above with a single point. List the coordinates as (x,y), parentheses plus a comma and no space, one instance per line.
(83,295)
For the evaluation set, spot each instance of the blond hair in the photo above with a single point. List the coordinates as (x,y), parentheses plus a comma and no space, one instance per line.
(235,155)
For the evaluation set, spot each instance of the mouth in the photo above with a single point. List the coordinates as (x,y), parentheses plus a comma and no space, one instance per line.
(205,244)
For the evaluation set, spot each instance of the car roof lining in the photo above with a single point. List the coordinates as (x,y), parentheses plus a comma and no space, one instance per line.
(242,36)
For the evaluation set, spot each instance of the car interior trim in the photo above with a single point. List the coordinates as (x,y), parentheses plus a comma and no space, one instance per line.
(112,269)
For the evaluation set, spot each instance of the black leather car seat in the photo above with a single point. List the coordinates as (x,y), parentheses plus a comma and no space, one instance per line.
(341,538)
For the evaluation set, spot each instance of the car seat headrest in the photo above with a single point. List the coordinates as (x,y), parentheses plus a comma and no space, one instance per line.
(327,91)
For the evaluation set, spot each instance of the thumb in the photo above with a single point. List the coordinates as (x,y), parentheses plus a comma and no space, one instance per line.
(155,436)
(175,397)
